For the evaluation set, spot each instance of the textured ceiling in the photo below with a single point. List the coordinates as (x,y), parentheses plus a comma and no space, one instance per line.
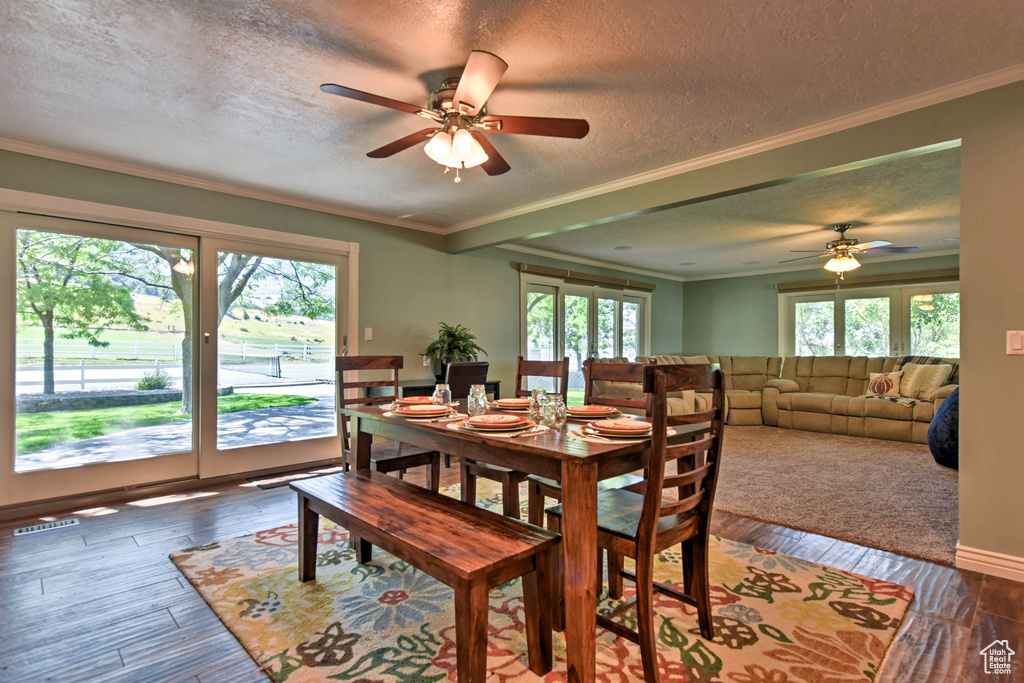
(227,90)
(911,202)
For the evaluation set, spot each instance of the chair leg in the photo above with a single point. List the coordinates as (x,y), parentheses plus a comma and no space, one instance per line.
(535,504)
(467,481)
(471,631)
(401,474)
(510,496)
(615,564)
(687,563)
(645,616)
(434,472)
(447,460)
(699,588)
(537,598)
(557,582)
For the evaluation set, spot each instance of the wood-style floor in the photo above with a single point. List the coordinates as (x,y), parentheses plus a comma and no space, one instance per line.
(101,601)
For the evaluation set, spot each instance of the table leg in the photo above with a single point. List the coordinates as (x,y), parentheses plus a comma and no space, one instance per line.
(579,546)
(363,441)
(309,529)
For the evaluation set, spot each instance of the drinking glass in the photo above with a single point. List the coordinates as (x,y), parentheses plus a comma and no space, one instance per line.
(476,402)
(442,395)
(558,414)
(538,399)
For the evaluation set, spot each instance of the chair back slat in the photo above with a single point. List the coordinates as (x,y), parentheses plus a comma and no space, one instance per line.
(461,376)
(557,369)
(697,461)
(344,364)
(692,418)
(621,373)
(685,505)
(691,477)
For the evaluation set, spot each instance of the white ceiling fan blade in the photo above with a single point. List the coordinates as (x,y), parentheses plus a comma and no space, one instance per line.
(872,245)
(482,73)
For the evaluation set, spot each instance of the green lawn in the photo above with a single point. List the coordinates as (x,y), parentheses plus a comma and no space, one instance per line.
(38,431)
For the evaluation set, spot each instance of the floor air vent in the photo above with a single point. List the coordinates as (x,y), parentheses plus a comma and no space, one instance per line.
(44,527)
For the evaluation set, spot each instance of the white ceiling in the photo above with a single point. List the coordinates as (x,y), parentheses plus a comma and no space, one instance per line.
(912,201)
(227,90)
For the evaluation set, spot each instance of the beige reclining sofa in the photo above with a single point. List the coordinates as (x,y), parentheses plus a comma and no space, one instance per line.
(821,394)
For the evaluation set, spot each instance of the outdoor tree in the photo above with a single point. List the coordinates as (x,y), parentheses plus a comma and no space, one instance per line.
(63,286)
(306,289)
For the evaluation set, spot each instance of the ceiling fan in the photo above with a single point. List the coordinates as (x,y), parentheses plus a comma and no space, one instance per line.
(843,250)
(457,110)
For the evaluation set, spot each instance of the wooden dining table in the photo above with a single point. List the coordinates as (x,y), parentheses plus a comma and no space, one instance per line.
(577,464)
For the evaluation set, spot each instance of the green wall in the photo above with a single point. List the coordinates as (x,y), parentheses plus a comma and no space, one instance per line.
(407,282)
(739,316)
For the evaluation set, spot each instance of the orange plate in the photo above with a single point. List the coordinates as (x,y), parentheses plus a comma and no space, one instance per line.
(413,401)
(495,421)
(525,424)
(591,411)
(513,403)
(422,411)
(616,435)
(620,426)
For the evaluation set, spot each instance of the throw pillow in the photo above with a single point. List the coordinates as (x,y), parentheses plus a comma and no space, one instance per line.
(921,380)
(884,383)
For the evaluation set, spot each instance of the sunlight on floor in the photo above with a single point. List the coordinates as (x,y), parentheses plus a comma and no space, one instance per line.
(174,498)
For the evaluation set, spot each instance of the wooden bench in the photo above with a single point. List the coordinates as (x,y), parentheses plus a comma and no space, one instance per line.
(470,549)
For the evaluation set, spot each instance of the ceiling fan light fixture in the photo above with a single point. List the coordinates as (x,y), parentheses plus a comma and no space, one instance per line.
(842,263)
(439,148)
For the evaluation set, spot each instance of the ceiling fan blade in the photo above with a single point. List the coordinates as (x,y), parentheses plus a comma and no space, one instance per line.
(537,125)
(801,258)
(806,251)
(353,94)
(872,245)
(483,71)
(495,164)
(403,143)
(889,250)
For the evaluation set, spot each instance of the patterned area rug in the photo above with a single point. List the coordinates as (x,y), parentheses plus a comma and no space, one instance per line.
(778,619)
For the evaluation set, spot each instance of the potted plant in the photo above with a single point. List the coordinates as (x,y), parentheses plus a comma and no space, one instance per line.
(454,344)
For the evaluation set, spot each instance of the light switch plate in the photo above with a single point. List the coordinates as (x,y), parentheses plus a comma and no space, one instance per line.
(1015,343)
(368,334)
(426,361)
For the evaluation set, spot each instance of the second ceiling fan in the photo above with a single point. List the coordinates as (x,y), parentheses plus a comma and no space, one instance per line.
(843,250)
(457,110)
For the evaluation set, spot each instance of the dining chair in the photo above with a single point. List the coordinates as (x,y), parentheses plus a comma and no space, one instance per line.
(460,377)
(610,383)
(641,525)
(539,488)
(384,457)
(510,479)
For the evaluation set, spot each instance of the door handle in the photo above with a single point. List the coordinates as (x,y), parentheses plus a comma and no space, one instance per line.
(206,337)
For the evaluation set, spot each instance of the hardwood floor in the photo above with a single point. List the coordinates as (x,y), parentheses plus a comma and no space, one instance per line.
(102,602)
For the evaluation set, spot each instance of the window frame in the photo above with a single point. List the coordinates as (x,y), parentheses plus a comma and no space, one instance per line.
(899,312)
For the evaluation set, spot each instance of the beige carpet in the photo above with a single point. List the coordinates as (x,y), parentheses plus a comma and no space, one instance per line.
(883,494)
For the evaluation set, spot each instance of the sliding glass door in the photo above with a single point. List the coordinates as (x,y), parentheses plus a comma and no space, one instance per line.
(271,328)
(101,388)
(138,356)
(579,322)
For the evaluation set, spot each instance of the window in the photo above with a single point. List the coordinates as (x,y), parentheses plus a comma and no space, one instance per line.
(580,321)
(872,321)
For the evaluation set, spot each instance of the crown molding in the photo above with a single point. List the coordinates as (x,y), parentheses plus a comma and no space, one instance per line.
(101,163)
(953,91)
(589,262)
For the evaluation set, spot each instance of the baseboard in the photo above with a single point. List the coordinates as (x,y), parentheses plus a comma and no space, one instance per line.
(986,562)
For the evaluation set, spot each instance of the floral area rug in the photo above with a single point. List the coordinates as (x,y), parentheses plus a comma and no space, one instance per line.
(778,619)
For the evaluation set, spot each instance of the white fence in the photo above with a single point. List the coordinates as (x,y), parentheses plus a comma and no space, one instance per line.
(147,350)
(299,362)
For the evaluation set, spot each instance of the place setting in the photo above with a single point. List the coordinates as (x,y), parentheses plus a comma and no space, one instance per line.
(519,405)
(510,426)
(618,430)
(423,412)
(589,412)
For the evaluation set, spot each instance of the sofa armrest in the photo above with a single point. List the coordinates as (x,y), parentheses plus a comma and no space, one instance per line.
(782,385)
(942,392)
